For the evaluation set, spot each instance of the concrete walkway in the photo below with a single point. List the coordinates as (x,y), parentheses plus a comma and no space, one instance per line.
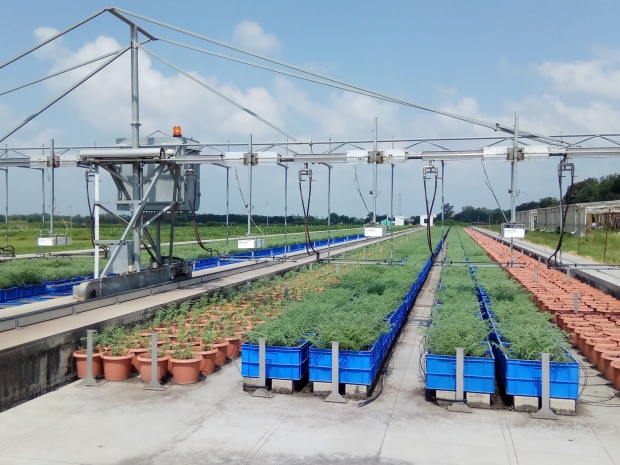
(214,422)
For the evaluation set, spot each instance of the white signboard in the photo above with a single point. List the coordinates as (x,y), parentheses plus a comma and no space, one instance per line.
(374,231)
(254,243)
(516,233)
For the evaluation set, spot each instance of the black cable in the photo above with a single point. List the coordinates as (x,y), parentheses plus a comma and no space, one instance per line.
(428,214)
(213,252)
(569,193)
(306,212)
(357,182)
(488,183)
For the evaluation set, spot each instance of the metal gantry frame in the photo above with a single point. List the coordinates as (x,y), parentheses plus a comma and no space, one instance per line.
(170,158)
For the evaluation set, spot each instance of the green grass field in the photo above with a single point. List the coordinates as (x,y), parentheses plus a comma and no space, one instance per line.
(32,271)
(592,247)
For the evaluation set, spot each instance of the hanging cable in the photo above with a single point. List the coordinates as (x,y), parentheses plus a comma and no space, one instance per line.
(488,183)
(562,168)
(247,206)
(357,182)
(307,173)
(429,170)
(192,204)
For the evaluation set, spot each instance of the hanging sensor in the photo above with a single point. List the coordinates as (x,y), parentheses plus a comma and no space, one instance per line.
(305,174)
(564,168)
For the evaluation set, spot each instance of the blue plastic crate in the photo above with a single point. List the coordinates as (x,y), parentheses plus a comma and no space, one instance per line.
(281,362)
(524,378)
(355,367)
(479,373)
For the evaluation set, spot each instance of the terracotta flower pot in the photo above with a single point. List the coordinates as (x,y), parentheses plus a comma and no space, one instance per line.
(135,364)
(186,371)
(116,368)
(145,367)
(207,366)
(615,366)
(80,361)
(607,358)
(222,349)
(597,350)
(590,342)
(582,336)
(234,345)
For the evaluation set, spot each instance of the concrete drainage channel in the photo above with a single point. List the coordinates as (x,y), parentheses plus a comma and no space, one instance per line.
(37,346)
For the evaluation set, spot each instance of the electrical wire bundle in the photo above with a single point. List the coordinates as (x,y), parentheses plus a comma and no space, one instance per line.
(429,209)
(563,166)
(306,209)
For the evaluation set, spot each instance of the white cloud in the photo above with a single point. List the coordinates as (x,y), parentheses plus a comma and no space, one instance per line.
(598,76)
(252,36)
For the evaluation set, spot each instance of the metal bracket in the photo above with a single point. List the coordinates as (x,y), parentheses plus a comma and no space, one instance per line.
(515,153)
(375,156)
(250,159)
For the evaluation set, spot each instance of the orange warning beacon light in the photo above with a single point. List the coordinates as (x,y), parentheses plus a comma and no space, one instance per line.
(176,131)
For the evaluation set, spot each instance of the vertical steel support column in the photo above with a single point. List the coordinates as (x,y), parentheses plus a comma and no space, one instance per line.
(545,411)
(442,196)
(89,380)
(135,143)
(459,394)
(250,187)
(285,208)
(535,275)
(96,213)
(568,275)
(576,302)
(154,384)
(52,186)
(329,212)
(43,195)
(261,390)
(392,215)
(6,208)
(227,203)
(335,396)
(513,180)
(374,179)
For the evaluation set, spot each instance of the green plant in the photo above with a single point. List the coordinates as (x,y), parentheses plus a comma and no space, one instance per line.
(183,353)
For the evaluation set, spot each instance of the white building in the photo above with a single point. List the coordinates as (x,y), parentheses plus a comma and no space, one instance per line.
(423,219)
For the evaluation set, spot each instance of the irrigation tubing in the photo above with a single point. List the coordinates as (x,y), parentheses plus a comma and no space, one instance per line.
(213,252)
(306,212)
(569,193)
(428,214)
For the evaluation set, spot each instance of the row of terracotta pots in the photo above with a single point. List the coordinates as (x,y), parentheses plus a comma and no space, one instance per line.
(595,329)
(119,368)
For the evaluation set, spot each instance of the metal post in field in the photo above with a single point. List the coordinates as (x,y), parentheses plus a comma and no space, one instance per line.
(89,380)
(335,396)
(459,394)
(154,384)
(576,302)
(261,390)
(545,411)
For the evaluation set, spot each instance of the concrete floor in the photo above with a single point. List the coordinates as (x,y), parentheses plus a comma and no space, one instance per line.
(214,421)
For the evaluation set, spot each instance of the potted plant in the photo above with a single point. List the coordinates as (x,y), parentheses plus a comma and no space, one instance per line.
(207,352)
(145,365)
(80,357)
(117,362)
(185,365)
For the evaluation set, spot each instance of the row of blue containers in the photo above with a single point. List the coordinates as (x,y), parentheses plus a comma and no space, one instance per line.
(355,367)
(65,286)
(524,377)
(478,372)
(212,262)
(519,377)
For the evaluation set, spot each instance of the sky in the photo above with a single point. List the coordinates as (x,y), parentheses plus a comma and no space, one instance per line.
(556,64)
